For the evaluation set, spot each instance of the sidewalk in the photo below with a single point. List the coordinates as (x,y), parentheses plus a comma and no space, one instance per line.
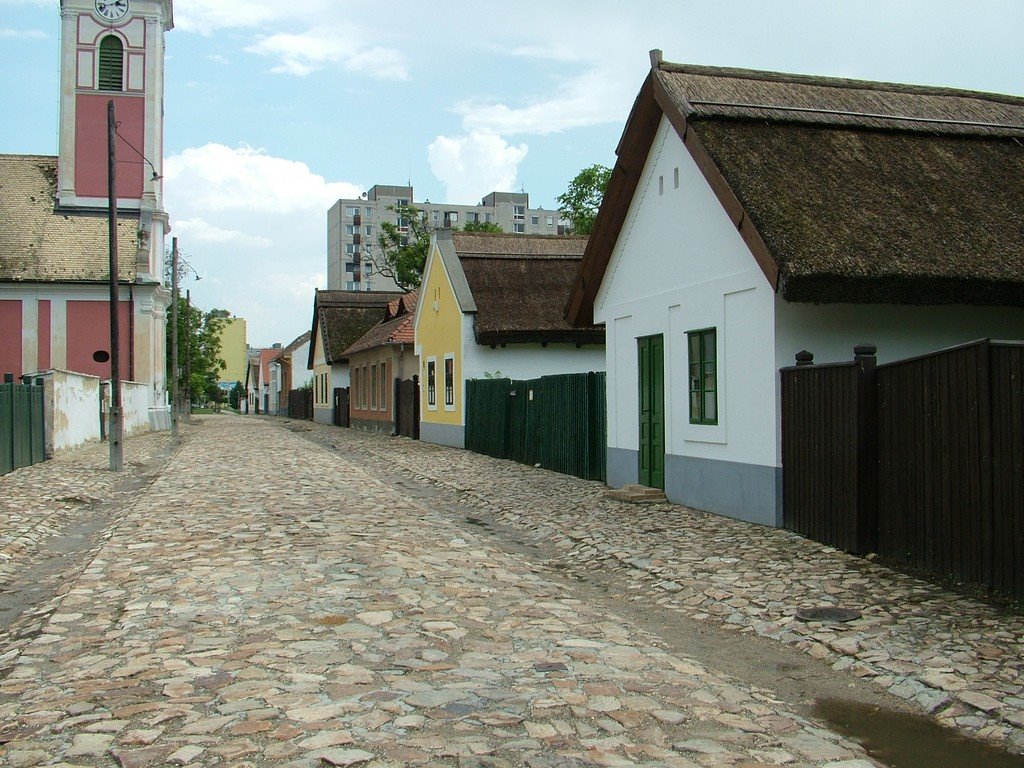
(958,658)
(267,601)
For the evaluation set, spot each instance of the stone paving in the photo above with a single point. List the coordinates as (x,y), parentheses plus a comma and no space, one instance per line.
(268,601)
(955,657)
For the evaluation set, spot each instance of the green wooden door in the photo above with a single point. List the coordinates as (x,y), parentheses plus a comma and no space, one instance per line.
(651,352)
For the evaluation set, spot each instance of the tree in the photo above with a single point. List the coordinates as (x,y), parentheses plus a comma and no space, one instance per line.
(402,245)
(199,360)
(582,200)
(236,395)
(482,226)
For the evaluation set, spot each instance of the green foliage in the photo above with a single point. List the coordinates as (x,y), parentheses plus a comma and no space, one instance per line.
(402,255)
(199,360)
(582,200)
(482,226)
(236,395)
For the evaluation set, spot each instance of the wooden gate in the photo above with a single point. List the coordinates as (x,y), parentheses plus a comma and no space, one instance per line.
(407,407)
(300,404)
(22,434)
(341,416)
(558,422)
(919,460)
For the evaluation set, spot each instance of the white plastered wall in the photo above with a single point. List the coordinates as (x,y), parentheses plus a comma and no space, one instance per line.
(680,265)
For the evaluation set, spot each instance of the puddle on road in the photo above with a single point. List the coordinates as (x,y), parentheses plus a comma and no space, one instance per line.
(904,740)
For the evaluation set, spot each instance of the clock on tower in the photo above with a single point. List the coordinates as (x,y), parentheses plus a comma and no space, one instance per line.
(112,50)
(112,10)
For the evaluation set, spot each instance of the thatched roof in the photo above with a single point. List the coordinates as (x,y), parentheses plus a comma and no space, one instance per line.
(396,327)
(520,284)
(344,316)
(844,190)
(40,244)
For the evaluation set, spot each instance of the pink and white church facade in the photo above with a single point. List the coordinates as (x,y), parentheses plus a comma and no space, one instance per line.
(54,260)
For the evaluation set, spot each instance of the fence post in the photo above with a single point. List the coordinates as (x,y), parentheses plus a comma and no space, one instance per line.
(804,358)
(7,424)
(867,449)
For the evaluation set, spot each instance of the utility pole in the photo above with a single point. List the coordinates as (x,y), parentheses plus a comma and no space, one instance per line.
(188,355)
(174,337)
(116,415)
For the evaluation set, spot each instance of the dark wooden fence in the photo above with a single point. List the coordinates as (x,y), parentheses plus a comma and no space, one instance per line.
(558,422)
(300,404)
(340,413)
(407,407)
(22,433)
(920,460)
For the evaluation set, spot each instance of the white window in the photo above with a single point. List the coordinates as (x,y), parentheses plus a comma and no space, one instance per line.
(449,382)
(535,220)
(435,216)
(550,221)
(350,229)
(352,210)
(369,231)
(432,383)
(518,227)
(369,212)
(519,212)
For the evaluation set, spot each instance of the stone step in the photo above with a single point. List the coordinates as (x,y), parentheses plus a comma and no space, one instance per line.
(637,494)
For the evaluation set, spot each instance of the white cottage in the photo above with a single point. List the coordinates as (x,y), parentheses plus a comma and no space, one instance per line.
(751,215)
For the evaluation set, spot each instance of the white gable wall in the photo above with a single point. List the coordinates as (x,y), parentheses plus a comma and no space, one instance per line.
(680,265)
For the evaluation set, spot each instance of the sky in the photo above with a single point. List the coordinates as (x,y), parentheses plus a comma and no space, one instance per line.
(274,110)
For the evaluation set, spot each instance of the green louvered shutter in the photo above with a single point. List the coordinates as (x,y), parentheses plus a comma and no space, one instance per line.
(111,64)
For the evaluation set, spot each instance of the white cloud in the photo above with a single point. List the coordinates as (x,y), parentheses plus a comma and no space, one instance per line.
(207,17)
(222,178)
(22,34)
(198,229)
(303,53)
(254,226)
(595,97)
(472,165)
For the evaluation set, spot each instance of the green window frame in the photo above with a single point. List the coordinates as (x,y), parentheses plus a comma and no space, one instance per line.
(111,75)
(702,347)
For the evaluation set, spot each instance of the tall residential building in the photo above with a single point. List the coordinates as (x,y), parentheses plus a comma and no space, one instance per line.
(352,228)
(233,351)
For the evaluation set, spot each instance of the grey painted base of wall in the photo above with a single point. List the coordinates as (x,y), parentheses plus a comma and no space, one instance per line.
(748,492)
(323,415)
(374,425)
(623,467)
(443,434)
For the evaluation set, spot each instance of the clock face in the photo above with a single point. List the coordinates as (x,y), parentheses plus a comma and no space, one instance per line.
(112,10)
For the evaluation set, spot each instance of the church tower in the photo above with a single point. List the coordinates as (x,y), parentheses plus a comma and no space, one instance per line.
(114,49)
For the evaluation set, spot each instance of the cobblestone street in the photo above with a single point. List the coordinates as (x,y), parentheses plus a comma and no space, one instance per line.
(272,592)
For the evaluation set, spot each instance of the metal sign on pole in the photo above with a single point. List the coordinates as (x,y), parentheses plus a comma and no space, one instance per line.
(174,337)
(116,414)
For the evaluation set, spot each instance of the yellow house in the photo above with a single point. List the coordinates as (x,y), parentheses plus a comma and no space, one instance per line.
(491,305)
(232,350)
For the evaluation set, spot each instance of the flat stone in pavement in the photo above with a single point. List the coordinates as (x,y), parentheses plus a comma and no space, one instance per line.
(958,658)
(267,601)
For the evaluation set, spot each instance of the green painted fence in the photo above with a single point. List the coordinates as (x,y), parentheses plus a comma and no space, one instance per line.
(558,422)
(22,440)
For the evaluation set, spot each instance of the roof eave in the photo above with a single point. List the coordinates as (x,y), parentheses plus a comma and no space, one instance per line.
(652,102)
